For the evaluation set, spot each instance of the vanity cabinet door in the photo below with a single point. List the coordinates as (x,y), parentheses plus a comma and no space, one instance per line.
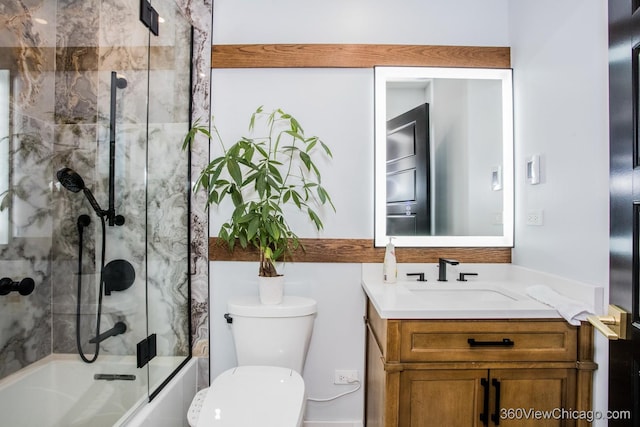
(443,398)
(532,397)
(481,397)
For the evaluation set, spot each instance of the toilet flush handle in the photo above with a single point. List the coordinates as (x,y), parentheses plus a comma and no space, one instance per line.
(228,317)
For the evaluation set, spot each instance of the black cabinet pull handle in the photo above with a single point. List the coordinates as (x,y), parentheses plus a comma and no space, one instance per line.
(484,416)
(495,417)
(506,342)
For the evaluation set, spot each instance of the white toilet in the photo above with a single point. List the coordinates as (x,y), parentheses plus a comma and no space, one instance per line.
(266,388)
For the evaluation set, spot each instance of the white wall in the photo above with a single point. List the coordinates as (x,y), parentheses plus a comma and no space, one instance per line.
(560,74)
(559,56)
(337,105)
(438,22)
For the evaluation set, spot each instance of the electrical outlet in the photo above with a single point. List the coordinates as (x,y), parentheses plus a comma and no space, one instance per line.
(535,217)
(345,376)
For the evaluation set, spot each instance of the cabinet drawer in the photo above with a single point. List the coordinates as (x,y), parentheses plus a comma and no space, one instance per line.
(483,340)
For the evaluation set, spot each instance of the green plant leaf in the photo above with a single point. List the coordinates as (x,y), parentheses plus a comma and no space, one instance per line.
(326,149)
(243,240)
(236,196)
(214,197)
(295,134)
(306,160)
(311,142)
(296,199)
(252,229)
(234,171)
(315,218)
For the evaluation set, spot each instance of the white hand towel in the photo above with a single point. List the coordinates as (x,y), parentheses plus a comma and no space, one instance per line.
(573,311)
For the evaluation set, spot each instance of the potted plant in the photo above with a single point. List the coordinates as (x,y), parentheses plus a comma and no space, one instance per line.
(260,175)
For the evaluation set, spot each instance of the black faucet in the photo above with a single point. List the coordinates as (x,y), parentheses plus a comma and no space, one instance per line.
(118,328)
(442,268)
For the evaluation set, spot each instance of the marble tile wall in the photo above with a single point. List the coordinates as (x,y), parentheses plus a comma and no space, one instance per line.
(200,14)
(27,51)
(60,109)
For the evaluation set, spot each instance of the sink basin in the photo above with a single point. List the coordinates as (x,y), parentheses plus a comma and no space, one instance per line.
(480,293)
(497,292)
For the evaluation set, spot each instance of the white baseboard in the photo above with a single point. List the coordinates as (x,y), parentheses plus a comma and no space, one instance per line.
(333,424)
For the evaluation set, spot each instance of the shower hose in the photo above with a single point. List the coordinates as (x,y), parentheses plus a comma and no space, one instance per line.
(83,221)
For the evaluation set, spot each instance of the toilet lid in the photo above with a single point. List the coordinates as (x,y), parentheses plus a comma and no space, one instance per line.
(265,396)
(291,306)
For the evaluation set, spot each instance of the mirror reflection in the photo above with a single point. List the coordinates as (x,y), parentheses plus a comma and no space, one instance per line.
(444,156)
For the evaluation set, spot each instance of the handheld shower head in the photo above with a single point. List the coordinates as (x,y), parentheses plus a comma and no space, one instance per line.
(70,180)
(73,182)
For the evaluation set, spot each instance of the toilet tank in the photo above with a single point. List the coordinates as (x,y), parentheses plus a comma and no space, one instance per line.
(272,335)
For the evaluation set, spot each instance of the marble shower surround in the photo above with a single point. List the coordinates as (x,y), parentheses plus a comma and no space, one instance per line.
(59,62)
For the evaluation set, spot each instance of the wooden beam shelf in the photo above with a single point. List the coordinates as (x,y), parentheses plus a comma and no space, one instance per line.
(356,56)
(362,251)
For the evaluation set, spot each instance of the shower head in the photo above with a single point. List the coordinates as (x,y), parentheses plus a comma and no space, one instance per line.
(73,182)
(70,180)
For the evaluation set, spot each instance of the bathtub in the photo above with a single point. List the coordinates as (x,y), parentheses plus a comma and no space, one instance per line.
(60,391)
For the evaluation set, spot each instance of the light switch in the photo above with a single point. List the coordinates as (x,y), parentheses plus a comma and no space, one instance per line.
(533,169)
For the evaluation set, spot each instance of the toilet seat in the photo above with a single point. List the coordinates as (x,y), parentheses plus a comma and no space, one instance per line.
(265,396)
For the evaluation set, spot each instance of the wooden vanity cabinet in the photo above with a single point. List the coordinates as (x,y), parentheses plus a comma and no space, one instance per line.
(476,372)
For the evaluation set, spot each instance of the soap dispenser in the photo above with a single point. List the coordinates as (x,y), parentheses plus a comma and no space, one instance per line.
(390,266)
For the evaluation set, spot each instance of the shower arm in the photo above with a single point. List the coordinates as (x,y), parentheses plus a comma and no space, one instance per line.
(116,82)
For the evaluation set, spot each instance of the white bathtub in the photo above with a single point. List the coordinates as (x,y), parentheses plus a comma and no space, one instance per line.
(60,391)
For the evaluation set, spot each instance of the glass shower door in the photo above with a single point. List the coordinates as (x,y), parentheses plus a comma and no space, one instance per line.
(120,165)
(167,190)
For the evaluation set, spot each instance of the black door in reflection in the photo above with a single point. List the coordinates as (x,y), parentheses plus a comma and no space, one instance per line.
(408,193)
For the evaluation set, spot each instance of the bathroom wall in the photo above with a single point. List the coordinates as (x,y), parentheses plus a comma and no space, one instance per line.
(337,105)
(559,56)
(26,49)
(560,79)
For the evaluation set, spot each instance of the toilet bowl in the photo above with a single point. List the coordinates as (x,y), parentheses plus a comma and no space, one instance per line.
(265,396)
(266,389)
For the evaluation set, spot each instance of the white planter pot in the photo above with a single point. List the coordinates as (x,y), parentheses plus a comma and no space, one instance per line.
(271,289)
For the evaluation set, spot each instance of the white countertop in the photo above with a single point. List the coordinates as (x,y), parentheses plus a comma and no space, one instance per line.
(498,292)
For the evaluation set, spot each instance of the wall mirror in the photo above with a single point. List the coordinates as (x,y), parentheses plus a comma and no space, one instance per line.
(444,157)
